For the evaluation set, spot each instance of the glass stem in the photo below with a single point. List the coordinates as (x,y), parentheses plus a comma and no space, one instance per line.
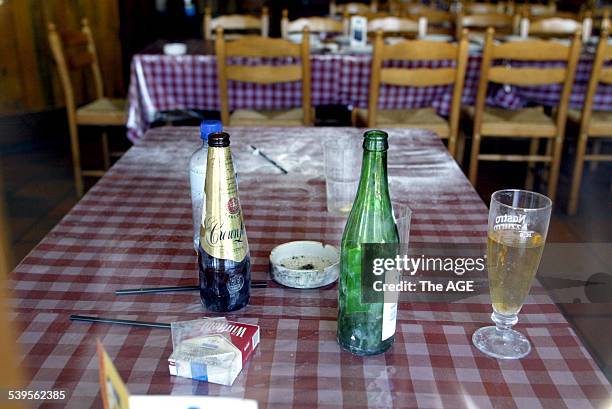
(504,323)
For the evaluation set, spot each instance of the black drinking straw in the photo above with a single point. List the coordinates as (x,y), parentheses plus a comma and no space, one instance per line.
(266,157)
(154,290)
(134,323)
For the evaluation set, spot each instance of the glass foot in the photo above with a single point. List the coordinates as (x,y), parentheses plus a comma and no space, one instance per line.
(507,344)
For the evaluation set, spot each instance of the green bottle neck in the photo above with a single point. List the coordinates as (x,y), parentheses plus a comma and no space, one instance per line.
(373,182)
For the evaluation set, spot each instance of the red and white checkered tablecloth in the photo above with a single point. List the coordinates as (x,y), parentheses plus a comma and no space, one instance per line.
(160,83)
(133,229)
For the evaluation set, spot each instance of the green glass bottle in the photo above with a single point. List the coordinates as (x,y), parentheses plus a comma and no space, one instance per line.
(366,328)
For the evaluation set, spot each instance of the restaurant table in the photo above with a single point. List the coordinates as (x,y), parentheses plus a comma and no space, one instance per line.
(162,83)
(134,229)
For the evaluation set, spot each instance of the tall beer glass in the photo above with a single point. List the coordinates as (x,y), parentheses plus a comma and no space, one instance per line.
(518,223)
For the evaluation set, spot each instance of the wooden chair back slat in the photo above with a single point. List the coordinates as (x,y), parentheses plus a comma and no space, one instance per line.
(418,77)
(264,74)
(480,22)
(417,9)
(554,26)
(237,22)
(419,50)
(398,25)
(434,16)
(315,25)
(543,9)
(80,60)
(606,76)
(72,38)
(251,46)
(484,8)
(534,50)
(527,76)
(496,20)
(353,8)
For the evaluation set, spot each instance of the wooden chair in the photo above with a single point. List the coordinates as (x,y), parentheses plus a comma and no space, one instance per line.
(352,8)
(529,123)
(398,26)
(11,376)
(236,25)
(262,47)
(416,50)
(479,23)
(595,125)
(314,24)
(75,50)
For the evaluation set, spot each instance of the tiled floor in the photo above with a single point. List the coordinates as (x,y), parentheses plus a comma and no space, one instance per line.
(36,166)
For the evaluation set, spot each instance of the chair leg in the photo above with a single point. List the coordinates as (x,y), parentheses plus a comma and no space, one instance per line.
(549,146)
(76,159)
(105,151)
(553,178)
(460,148)
(531,165)
(549,149)
(354,118)
(596,151)
(452,146)
(473,173)
(577,175)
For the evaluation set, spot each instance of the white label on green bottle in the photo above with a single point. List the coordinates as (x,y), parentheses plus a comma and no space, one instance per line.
(388,320)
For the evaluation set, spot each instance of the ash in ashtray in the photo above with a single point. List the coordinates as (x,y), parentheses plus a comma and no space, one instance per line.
(307,267)
(306,263)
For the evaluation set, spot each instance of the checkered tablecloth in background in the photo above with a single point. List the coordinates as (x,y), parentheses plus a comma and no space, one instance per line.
(134,229)
(160,83)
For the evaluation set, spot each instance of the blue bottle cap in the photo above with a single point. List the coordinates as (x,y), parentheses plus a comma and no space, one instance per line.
(209,126)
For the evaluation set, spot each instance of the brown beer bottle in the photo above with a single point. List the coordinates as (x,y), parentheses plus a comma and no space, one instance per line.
(223,255)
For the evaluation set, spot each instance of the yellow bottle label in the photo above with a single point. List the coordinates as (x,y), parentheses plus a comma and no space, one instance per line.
(222,233)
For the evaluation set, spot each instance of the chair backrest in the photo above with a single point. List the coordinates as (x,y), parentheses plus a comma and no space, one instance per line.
(599,74)
(236,22)
(553,27)
(502,23)
(537,51)
(314,24)
(399,25)
(418,50)
(438,21)
(484,8)
(264,73)
(543,10)
(74,51)
(352,8)
(434,16)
